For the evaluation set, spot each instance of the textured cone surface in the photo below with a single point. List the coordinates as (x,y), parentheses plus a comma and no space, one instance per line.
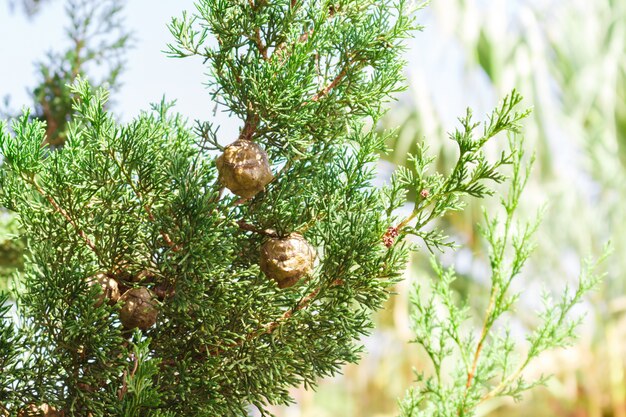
(109,287)
(143,276)
(139,308)
(286,260)
(244,168)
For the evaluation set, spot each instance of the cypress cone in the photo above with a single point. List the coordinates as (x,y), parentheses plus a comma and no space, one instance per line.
(43,410)
(109,288)
(244,168)
(139,308)
(286,260)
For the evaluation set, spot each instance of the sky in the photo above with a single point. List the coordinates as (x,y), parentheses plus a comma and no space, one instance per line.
(149,73)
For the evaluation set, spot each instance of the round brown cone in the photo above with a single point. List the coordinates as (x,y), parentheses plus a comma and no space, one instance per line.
(244,168)
(286,260)
(109,289)
(139,308)
(43,410)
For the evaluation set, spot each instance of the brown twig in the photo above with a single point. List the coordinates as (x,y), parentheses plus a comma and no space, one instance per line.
(483,335)
(79,44)
(270,327)
(424,194)
(324,91)
(250,126)
(302,304)
(122,391)
(335,82)
(306,35)
(166,237)
(259,43)
(63,213)
(135,365)
(279,52)
(251,228)
(303,37)
(51,124)
(267,328)
(257,32)
(471,372)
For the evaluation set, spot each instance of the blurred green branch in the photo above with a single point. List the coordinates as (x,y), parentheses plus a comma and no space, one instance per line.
(471,366)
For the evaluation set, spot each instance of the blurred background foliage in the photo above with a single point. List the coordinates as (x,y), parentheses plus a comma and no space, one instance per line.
(568,58)
(30,7)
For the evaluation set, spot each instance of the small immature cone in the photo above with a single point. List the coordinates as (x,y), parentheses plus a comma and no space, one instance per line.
(139,308)
(43,410)
(121,271)
(286,260)
(126,271)
(109,287)
(244,168)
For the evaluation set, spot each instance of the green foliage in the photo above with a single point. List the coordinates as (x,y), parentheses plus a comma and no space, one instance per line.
(299,73)
(142,199)
(571,70)
(9,344)
(440,194)
(98,41)
(12,246)
(470,366)
(141,204)
(138,388)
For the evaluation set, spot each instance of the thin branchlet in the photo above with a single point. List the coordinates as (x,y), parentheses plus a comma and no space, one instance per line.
(485,363)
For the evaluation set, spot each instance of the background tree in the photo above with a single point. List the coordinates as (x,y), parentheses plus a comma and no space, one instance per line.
(30,7)
(97,42)
(470,363)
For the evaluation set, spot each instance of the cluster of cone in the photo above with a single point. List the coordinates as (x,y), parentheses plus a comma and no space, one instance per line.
(245,170)
(43,410)
(138,304)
